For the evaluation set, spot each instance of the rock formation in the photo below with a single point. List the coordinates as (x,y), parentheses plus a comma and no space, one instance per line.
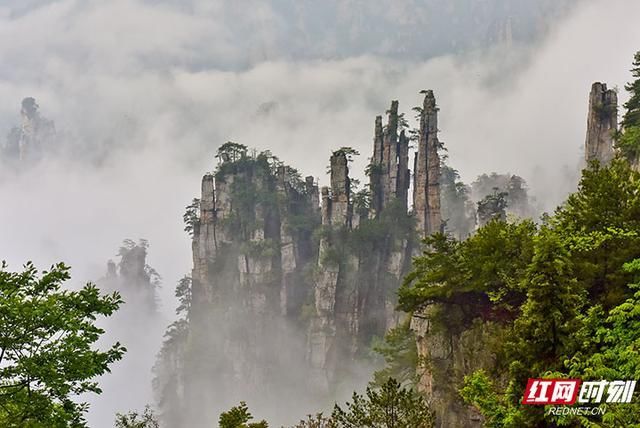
(132,277)
(602,123)
(252,252)
(138,325)
(426,188)
(36,134)
(279,265)
(336,216)
(389,172)
(446,359)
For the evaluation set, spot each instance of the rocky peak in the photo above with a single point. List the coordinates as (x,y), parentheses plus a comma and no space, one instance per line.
(30,109)
(426,187)
(132,276)
(340,189)
(27,141)
(389,173)
(602,123)
(111,269)
(280,265)
(133,264)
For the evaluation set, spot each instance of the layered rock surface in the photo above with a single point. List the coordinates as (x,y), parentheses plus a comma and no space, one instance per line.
(426,187)
(602,124)
(290,283)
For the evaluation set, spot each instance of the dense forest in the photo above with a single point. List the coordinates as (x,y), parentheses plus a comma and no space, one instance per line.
(452,296)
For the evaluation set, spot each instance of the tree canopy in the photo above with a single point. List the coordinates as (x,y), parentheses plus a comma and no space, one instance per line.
(47,347)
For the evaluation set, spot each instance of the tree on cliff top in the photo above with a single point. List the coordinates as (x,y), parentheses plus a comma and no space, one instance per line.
(628,141)
(47,353)
(389,406)
(349,153)
(239,417)
(134,419)
(632,115)
(493,207)
(231,151)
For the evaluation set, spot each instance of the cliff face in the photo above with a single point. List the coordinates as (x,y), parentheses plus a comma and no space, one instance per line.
(251,289)
(602,123)
(132,277)
(138,325)
(389,171)
(426,196)
(446,358)
(290,283)
(28,141)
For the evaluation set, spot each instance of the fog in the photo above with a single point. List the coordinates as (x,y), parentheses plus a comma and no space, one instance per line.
(142,93)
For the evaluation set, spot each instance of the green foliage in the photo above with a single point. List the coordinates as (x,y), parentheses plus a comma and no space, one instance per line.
(130,244)
(628,142)
(402,122)
(391,227)
(628,138)
(260,248)
(632,106)
(373,169)
(239,417)
(233,157)
(543,332)
(485,184)
(579,318)
(134,419)
(400,354)
(599,224)
(361,201)
(129,251)
(502,192)
(47,353)
(317,421)
(191,216)
(349,152)
(611,348)
(231,152)
(482,271)
(517,197)
(493,206)
(550,277)
(389,406)
(253,185)
(183,293)
(480,391)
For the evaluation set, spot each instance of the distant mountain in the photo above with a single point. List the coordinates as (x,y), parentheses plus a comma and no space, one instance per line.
(258,30)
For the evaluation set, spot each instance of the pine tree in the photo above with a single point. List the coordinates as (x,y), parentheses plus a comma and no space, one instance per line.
(389,406)
(493,207)
(628,140)
(239,417)
(632,115)
(542,336)
(543,331)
